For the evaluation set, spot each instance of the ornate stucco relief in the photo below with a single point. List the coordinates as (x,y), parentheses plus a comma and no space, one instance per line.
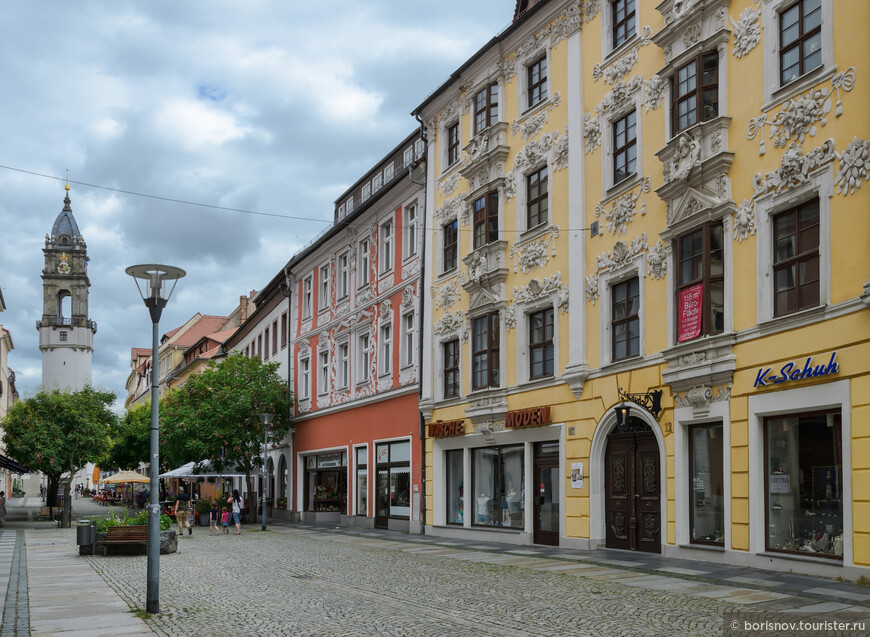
(801,114)
(744,220)
(452,323)
(534,253)
(794,168)
(657,259)
(854,166)
(620,257)
(449,210)
(591,132)
(531,126)
(536,150)
(447,294)
(590,10)
(746,30)
(621,66)
(547,287)
(448,186)
(623,208)
(653,93)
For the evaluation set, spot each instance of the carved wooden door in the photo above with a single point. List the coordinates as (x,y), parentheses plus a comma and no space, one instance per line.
(632,492)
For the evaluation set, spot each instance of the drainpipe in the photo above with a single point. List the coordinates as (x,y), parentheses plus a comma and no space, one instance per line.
(422,300)
(287,292)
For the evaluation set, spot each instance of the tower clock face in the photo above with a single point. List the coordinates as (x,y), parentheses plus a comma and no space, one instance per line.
(63,265)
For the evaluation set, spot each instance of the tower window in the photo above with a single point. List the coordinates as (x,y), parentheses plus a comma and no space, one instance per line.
(63,335)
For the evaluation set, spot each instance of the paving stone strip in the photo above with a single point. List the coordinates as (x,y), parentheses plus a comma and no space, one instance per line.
(16,611)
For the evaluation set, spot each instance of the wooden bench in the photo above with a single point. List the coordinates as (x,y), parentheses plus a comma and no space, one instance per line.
(126,535)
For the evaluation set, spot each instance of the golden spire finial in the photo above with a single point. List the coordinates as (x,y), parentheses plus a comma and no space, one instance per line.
(66,185)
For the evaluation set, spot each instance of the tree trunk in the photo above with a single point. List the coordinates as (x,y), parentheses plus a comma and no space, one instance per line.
(251,506)
(51,495)
(66,520)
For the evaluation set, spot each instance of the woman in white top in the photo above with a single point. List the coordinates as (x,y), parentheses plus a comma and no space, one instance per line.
(238,503)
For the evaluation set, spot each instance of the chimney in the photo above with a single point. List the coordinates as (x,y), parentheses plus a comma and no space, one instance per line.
(243,308)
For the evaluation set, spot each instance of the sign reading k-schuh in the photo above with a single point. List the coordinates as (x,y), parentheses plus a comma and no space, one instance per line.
(796,371)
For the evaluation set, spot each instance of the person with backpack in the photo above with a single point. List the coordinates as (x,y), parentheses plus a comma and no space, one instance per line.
(238,503)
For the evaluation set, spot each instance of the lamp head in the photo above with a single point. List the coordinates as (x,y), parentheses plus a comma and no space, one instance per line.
(266,418)
(153,277)
(622,414)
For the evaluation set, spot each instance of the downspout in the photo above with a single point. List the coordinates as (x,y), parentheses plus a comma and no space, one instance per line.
(286,291)
(421,302)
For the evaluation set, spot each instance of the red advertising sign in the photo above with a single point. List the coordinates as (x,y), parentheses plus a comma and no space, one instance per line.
(689,313)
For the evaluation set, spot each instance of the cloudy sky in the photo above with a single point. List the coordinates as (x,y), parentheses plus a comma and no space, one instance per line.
(264,105)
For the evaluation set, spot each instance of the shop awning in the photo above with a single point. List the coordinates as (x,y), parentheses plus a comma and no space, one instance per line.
(9,464)
(205,471)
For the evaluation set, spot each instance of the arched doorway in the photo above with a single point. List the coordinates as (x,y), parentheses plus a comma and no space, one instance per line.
(632,488)
(282,477)
(270,471)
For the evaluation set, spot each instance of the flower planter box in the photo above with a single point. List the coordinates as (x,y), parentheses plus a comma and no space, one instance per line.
(168,544)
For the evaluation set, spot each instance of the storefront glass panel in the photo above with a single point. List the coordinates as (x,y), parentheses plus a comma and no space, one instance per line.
(707,505)
(362,482)
(326,482)
(499,493)
(803,479)
(455,487)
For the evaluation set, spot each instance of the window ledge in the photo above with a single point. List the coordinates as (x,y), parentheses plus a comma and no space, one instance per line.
(622,187)
(703,547)
(622,48)
(795,319)
(451,168)
(531,110)
(833,561)
(799,85)
(536,383)
(533,233)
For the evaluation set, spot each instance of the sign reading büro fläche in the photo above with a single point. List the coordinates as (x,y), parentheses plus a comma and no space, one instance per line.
(796,371)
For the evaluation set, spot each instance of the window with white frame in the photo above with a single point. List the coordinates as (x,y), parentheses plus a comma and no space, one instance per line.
(305,378)
(452,143)
(366,191)
(323,298)
(536,89)
(485,219)
(408,157)
(485,107)
(349,204)
(485,359)
(386,249)
(419,148)
(388,172)
(410,238)
(449,251)
(364,256)
(341,211)
(623,20)
(307,285)
(343,362)
(343,276)
(625,319)
(266,349)
(450,368)
(408,335)
(695,91)
(798,43)
(541,350)
(323,373)
(377,182)
(386,349)
(362,357)
(537,197)
(624,147)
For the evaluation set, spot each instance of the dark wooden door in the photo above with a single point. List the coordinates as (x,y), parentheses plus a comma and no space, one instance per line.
(632,505)
(547,501)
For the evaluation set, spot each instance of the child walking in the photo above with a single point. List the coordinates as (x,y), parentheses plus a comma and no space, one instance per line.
(225,520)
(213,519)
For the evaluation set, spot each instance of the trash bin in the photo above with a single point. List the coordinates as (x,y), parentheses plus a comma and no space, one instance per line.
(85,533)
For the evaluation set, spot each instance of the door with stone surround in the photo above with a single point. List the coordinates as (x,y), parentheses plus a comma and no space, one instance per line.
(632,504)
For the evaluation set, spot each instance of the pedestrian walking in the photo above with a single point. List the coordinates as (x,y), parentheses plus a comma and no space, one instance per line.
(238,503)
(2,509)
(181,502)
(225,520)
(213,518)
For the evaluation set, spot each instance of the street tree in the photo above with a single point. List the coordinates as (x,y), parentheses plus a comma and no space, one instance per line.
(215,415)
(131,439)
(59,432)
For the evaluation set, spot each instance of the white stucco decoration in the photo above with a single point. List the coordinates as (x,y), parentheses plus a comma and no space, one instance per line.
(744,220)
(854,166)
(746,30)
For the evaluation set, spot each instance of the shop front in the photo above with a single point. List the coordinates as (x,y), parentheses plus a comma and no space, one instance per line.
(326,485)
(502,485)
(393,496)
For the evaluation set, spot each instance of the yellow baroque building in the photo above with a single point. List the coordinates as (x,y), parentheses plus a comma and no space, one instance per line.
(648,264)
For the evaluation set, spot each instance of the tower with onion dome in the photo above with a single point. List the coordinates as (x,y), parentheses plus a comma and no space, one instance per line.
(66,332)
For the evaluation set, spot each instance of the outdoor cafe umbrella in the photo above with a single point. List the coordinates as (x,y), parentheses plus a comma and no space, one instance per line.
(127,476)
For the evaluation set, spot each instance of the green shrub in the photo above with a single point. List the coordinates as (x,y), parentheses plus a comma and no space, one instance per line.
(202,505)
(140,519)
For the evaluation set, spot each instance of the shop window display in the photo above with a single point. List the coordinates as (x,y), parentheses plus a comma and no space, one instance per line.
(707,505)
(326,482)
(804,460)
(498,487)
(455,488)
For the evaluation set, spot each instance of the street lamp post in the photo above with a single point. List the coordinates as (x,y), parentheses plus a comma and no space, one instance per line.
(154,278)
(266,419)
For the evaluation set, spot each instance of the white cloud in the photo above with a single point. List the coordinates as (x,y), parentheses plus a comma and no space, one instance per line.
(197,124)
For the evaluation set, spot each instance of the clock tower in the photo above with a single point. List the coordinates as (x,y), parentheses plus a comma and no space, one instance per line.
(66,333)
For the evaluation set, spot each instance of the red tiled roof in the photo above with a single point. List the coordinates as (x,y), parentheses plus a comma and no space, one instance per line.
(204,326)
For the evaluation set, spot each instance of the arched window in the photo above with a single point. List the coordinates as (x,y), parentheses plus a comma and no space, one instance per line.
(282,477)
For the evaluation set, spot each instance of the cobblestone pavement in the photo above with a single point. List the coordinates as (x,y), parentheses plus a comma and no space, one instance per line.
(298,581)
